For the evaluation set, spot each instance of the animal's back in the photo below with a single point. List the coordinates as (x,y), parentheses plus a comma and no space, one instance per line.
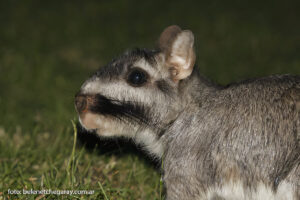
(243,143)
(259,141)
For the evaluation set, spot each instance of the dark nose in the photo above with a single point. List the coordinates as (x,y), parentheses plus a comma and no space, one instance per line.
(80,103)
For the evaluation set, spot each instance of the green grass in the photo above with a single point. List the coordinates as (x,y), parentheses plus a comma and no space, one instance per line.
(47,50)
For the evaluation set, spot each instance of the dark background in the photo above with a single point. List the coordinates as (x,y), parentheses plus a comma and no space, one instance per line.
(48,48)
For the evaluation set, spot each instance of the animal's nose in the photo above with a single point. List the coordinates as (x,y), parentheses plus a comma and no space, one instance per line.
(80,103)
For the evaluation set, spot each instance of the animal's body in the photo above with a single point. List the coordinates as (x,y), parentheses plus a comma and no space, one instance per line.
(239,142)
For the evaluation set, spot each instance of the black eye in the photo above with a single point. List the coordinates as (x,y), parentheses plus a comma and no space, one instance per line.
(137,77)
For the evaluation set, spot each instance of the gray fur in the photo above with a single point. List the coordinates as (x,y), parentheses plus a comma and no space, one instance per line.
(245,135)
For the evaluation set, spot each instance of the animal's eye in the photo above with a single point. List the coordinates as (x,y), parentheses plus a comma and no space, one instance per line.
(137,77)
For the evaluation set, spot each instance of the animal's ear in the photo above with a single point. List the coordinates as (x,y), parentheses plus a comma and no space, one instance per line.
(178,47)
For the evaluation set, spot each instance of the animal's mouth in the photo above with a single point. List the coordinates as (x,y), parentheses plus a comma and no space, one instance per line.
(108,107)
(89,121)
(87,118)
(84,126)
(102,113)
(97,123)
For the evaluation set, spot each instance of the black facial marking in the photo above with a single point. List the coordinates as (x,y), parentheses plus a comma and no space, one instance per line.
(148,55)
(120,109)
(112,70)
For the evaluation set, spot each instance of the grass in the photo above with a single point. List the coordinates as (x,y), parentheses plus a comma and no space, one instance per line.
(47,49)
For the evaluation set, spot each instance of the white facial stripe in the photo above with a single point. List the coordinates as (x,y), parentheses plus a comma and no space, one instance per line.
(122,91)
(150,142)
(129,93)
(91,86)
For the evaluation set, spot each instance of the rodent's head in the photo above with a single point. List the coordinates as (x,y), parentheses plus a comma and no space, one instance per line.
(136,95)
